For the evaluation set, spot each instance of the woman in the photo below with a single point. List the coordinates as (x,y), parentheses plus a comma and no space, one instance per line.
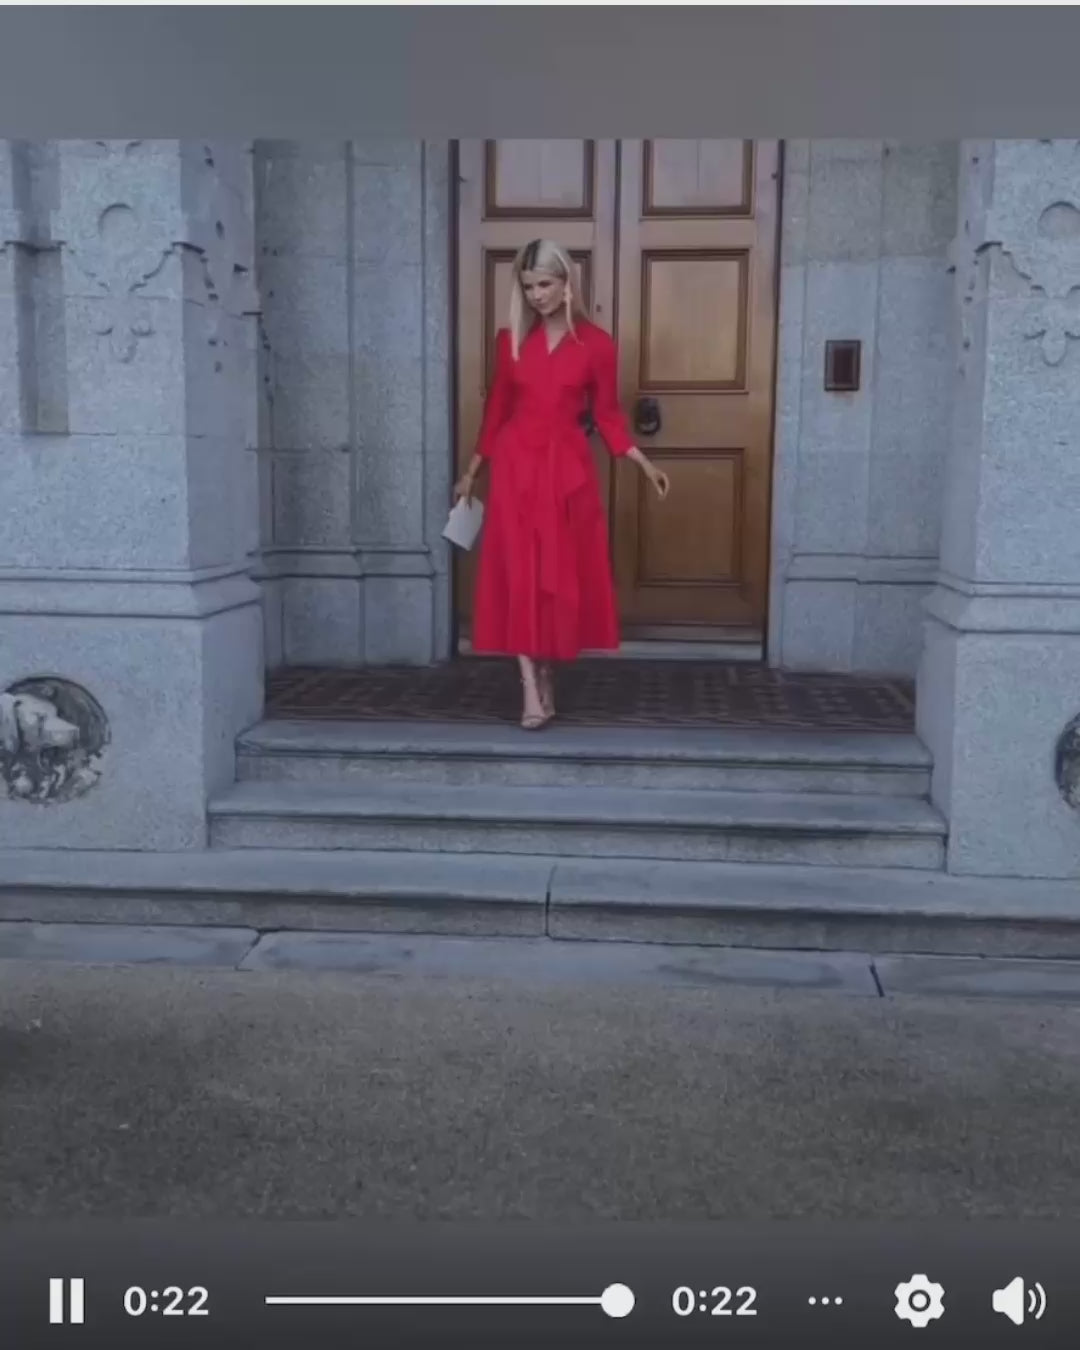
(544,591)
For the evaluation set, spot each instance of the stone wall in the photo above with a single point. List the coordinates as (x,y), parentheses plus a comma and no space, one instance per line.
(866,230)
(353,245)
(999,681)
(130,634)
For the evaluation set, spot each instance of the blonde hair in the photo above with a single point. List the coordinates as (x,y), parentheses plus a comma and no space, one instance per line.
(542,255)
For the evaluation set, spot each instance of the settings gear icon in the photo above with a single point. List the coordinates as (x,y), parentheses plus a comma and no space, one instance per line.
(919,1301)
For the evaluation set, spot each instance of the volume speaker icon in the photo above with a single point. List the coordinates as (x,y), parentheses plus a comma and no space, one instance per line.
(1017,1301)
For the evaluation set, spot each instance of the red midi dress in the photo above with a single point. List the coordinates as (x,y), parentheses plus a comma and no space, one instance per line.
(544,587)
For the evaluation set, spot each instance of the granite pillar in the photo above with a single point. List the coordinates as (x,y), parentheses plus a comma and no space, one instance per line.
(866,226)
(400,322)
(130,631)
(1000,675)
(355,437)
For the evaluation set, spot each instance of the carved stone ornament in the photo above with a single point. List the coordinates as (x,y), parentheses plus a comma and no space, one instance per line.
(119,264)
(1067,764)
(121,246)
(52,738)
(1034,223)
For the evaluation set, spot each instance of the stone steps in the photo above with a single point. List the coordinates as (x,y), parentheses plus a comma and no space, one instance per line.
(569,821)
(716,904)
(647,758)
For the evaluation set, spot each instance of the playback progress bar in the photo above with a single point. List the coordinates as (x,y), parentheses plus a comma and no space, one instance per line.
(617,1300)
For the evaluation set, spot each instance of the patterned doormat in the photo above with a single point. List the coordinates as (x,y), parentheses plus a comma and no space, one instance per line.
(600,692)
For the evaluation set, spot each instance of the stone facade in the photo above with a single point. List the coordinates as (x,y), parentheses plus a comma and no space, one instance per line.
(866,232)
(225,444)
(127,431)
(1000,675)
(354,448)
(353,242)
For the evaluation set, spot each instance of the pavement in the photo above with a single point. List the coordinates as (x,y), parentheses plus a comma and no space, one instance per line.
(208,1072)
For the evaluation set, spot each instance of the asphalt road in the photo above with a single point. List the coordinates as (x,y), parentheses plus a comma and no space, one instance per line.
(544,1081)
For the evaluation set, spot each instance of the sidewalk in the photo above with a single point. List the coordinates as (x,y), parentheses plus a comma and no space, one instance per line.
(507,1078)
(245,949)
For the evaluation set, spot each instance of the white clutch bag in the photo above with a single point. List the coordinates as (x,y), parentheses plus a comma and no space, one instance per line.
(464,523)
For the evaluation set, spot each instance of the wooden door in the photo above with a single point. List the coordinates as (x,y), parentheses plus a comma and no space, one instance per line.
(696,307)
(509,192)
(676,243)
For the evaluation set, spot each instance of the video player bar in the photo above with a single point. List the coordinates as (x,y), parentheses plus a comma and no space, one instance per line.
(404,1285)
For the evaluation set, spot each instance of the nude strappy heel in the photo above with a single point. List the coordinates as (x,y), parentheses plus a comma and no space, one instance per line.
(536,721)
(546,688)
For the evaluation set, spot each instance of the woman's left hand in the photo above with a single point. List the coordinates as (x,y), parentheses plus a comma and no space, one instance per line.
(660,481)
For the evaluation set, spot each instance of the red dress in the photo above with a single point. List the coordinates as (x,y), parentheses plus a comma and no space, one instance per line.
(544,587)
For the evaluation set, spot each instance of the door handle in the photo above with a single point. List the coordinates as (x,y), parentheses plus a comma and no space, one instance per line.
(647,418)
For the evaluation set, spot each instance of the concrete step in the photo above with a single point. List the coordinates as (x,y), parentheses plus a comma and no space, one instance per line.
(808,828)
(715,904)
(568,756)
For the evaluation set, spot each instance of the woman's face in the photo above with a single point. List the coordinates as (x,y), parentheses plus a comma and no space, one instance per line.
(544,292)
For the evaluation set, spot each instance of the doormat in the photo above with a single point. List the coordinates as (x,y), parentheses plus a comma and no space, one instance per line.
(600,692)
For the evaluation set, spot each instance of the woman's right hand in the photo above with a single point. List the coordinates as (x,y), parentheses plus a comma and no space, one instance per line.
(464,487)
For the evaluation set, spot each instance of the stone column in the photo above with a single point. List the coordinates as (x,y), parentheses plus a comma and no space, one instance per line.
(130,631)
(13,234)
(866,228)
(400,195)
(354,268)
(313,592)
(1000,675)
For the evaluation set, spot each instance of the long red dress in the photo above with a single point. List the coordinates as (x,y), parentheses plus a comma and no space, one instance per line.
(544,587)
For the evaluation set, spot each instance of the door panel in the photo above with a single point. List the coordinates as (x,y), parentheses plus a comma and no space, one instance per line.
(698,178)
(508,193)
(527,180)
(697,553)
(696,330)
(693,328)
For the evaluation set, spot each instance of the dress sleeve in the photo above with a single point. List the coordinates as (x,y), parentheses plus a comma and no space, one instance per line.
(609,417)
(499,397)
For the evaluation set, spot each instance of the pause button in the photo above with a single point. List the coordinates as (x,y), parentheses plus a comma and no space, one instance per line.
(66,1302)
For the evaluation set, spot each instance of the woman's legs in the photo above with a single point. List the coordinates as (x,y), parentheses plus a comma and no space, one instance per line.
(534,713)
(546,683)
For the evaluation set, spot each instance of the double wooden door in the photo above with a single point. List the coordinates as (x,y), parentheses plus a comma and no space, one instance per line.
(676,243)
